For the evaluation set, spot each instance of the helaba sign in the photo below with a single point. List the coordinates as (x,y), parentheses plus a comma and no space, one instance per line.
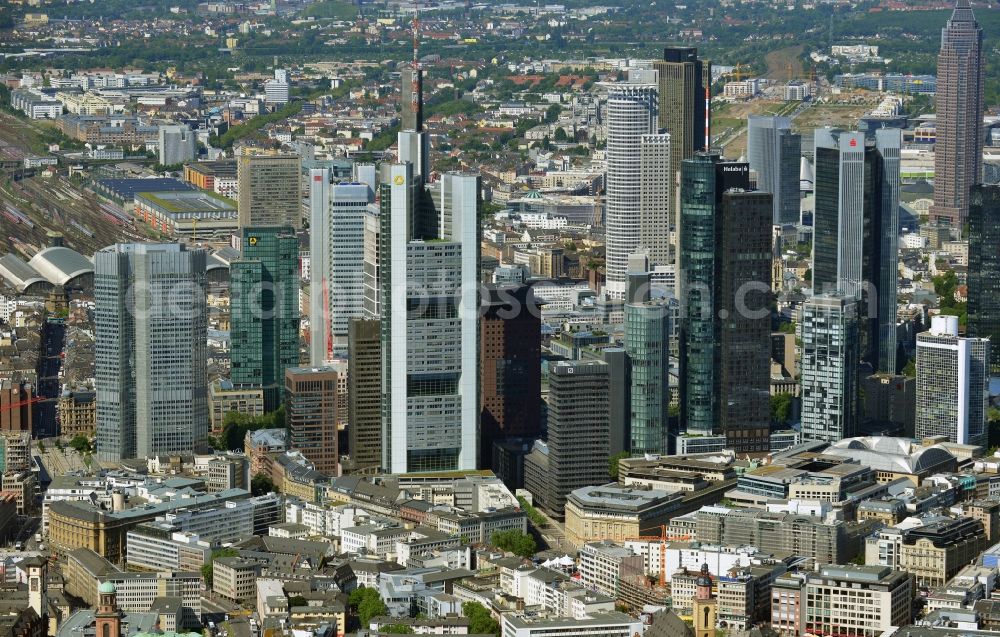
(735,168)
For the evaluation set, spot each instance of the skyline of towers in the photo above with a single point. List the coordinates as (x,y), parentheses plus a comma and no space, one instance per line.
(855,231)
(958,149)
(952,384)
(724,274)
(150,350)
(774,153)
(632,114)
(264,293)
(336,249)
(829,367)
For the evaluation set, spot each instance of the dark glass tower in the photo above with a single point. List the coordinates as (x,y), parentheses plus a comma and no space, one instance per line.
(984,267)
(265,311)
(959,129)
(724,284)
(856,230)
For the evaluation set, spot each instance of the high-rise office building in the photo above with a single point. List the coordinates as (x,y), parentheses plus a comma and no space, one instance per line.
(430,305)
(150,350)
(270,188)
(958,149)
(276,92)
(724,280)
(774,153)
(264,302)
(364,395)
(656,190)
(177,144)
(829,367)
(953,383)
(336,253)
(683,80)
(577,446)
(856,231)
(647,346)
(371,293)
(311,412)
(510,351)
(984,267)
(632,114)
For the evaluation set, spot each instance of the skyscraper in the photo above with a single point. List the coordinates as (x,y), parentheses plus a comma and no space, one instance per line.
(412,89)
(336,252)
(656,190)
(510,352)
(176,144)
(774,153)
(264,294)
(577,446)
(364,392)
(856,231)
(429,304)
(150,350)
(984,267)
(952,383)
(724,279)
(958,149)
(829,367)
(683,80)
(311,412)
(632,110)
(270,188)
(647,346)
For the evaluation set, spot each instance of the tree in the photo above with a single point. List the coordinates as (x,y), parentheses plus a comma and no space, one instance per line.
(367,604)
(514,541)
(560,134)
(781,409)
(613,463)
(261,484)
(207,572)
(910,369)
(81,443)
(396,629)
(481,622)
(552,113)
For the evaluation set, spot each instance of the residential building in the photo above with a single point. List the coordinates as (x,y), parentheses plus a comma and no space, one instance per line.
(150,350)
(77,411)
(258,445)
(958,148)
(336,258)
(270,188)
(724,282)
(829,367)
(856,232)
(604,565)
(983,275)
(311,413)
(952,383)
(774,153)
(264,287)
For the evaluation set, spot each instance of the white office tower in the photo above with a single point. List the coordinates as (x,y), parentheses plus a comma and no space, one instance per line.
(276,92)
(415,147)
(655,191)
(336,248)
(150,350)
(282,75)
(632,113)
(952,383)
(830,359)
(429,268)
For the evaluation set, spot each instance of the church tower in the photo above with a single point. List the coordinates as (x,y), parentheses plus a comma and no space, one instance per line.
(705,605)
(36,568)
(107,619)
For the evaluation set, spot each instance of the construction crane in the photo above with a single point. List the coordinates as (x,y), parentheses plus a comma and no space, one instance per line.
(738,73)
(663,538)
(22,403)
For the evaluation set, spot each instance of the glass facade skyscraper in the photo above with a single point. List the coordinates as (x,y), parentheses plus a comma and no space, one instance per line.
(647,343)
(829,367)
(984,267)
(264,302)
(150,350)
(774,152)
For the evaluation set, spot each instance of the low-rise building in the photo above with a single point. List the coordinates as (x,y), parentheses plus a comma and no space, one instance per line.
(864,601)
(617,513)
(935,552)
